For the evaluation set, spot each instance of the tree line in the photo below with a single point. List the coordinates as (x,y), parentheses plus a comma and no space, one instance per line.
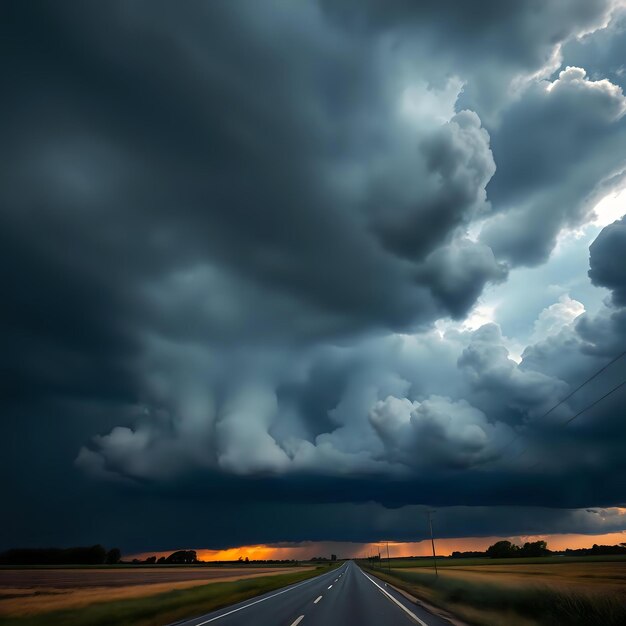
(506,550)
(86,555)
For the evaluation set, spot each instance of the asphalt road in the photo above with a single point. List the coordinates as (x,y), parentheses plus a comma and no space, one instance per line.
(344,596)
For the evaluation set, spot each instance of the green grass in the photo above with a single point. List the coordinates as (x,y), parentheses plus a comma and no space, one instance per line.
(489,604)
(539,560)
(164,608)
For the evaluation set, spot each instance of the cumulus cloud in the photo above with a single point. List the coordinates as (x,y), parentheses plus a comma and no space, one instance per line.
(435,432)
(458,165)
(503,386)
(548,175)
(555,317)
(458,272)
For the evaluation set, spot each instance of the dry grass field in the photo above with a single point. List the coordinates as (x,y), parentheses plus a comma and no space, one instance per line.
(589,577)
(581,592)
(33,591)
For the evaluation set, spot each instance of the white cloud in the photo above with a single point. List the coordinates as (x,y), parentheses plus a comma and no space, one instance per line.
(553,318)
(610,208)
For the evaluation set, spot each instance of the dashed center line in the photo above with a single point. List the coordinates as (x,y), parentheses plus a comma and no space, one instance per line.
(331,587)
(298,620)
(246,606)
(315,602)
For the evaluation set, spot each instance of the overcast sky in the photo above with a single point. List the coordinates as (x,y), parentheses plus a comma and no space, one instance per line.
(295,271)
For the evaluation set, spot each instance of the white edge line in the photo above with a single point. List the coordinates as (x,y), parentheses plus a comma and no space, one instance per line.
(310,580)
(298,620)
(417,619)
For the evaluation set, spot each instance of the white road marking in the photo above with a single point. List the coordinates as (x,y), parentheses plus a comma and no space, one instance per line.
(410,613)
(317,599)
(331,587)
(298,620)
(241,608)
(336,579)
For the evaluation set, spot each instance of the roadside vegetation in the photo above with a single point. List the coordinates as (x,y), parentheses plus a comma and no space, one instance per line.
(513,594)
(443,562)
(163,608)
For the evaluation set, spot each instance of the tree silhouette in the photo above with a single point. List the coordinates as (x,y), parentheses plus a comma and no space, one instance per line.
(502,550)
(113,556)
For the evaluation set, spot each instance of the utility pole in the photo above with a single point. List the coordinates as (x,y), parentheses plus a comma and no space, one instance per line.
(388,561)
(432,540)
(379,565)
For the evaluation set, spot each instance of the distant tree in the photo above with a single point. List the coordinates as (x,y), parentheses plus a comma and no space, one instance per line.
(502,550)
(151,559)
(182,557)
(467,555)
(247,560)
(113,556)
(534,548)
(161,559)
(333,557)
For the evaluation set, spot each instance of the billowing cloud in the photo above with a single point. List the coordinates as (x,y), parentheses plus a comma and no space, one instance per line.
(608,260)
(434,432)
(548,174)
(243,248)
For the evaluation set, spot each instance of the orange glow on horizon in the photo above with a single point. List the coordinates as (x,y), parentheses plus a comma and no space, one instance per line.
(309,549)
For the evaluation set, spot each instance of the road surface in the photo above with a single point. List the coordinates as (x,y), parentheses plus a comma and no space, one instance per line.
(343,596)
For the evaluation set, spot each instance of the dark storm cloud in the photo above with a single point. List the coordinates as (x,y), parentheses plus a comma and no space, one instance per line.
(488,43)
(176,152)
(557,143)
(602,53)
(459,272)
(459,159)
(608,260)
(215,216)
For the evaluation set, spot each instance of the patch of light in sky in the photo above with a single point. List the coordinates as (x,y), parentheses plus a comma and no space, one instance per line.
(481,314)
(421,102)
(473,230)
(612,207)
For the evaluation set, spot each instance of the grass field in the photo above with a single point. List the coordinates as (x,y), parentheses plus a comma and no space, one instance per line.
(142,604)
(539,560)
(520,592)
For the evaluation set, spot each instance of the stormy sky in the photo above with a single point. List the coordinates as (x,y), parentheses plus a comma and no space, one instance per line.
(296,271)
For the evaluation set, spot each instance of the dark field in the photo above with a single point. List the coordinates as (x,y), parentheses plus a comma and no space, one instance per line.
(120,577)
(30,591)
(140,604)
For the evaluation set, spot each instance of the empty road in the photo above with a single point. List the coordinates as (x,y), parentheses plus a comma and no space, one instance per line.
(343,596)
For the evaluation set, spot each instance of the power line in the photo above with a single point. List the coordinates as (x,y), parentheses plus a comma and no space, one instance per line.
(589,406)
(571,419)
(429,514)
(617,358)
(560,402)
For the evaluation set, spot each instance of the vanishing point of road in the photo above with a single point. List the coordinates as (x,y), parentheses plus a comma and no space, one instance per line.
(343,596)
